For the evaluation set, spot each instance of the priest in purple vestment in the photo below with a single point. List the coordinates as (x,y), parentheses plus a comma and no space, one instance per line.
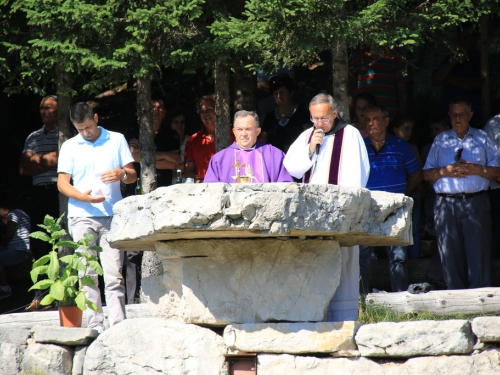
(247,160)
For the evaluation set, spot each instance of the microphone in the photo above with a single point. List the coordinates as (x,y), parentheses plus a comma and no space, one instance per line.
(318,145)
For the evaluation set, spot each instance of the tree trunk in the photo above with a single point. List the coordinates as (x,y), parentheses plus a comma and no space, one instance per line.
(340,78)
(485,69)
(64,126)
(441,302)
(222,111)
(146,135)
(151,266)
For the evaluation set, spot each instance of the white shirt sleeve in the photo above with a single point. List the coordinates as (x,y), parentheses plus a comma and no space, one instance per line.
(297,161)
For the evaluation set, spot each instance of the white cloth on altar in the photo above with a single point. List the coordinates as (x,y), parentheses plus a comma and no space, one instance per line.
(354,171)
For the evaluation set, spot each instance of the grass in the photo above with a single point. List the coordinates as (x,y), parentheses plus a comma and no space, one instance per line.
(375,314)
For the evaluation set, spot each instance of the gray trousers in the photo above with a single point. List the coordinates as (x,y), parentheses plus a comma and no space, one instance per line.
(464,239)
(111,262)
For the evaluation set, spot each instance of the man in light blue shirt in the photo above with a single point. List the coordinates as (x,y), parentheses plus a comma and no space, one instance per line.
(460,164)
(96,160)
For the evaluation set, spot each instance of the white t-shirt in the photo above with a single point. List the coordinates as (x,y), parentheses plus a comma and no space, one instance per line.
(85,161)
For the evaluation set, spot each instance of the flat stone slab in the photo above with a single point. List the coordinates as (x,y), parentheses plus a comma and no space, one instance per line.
(292,338)
(188,211)
(64,336)
(421,338)
(219,282)
(487,362)
(487,328)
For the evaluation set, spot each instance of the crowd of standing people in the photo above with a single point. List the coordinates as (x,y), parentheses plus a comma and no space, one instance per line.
(454,181)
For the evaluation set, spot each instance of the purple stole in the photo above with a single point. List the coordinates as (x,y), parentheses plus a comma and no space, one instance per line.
(333,178)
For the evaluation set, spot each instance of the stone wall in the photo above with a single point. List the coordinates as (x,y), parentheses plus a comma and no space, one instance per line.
(32,343)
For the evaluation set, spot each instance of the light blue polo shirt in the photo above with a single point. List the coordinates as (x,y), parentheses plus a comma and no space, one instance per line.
(84,161)
(476,147)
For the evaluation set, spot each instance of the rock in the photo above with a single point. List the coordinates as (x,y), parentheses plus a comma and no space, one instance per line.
(487,328)
(292,338)
(63,335)
(219,282)
(10,358)
(415,338)
(78,360)
(156,346)
(189,211)
(27,320)
(47,359)
(269,364)
(487,362)
(14,335)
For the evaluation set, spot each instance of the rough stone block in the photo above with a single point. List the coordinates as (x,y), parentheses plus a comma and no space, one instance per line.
(487,362)
(47,359)
(219,282)
(487,328)
(156,346)
(14,335)
(292,338)
(78,360)
(188,211)
(62,335)
(415,338)
(11,356)
(270,364)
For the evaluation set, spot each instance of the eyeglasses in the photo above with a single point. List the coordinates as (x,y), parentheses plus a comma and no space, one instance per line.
(209,109)
(323,120)
(458,154)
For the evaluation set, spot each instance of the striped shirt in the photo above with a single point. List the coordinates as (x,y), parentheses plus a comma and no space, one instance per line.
(40,143)
(390,166)
(20,240)
(378,76)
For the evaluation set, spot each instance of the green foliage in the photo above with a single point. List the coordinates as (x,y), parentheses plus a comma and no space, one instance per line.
(296,31)
(66,286)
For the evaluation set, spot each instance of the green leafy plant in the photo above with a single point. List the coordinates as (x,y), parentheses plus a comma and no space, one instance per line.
(66,286)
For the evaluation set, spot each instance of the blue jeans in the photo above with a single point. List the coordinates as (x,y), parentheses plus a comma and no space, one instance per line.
(10,258)
(398,267)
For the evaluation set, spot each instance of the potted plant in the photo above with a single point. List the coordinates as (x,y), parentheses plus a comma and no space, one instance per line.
(65,284)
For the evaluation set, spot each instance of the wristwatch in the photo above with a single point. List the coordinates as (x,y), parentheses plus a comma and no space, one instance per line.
(125,175)
(485,170)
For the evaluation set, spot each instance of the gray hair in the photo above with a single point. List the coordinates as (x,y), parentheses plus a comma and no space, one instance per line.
(244,113)
(53,97)
(205,97)
(375,108)
(324,98)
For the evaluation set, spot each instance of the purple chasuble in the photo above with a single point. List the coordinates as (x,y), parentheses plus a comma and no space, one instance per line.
(264,163)
(250,165)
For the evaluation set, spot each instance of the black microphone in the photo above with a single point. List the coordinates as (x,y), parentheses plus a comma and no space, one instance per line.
(318,145)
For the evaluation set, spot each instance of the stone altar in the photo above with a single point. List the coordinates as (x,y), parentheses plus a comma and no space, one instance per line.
(252,253)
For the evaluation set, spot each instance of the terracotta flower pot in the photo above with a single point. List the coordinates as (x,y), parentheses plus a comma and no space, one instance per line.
(70,316)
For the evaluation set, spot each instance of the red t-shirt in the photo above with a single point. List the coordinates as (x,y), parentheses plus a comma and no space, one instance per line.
(199,149)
